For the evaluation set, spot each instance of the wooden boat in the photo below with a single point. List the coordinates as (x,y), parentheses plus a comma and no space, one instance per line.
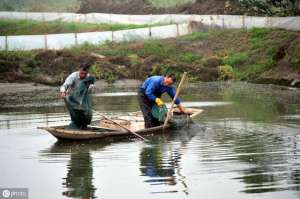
(107,129)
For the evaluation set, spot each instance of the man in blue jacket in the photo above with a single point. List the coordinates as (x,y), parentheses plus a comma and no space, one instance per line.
(150,93)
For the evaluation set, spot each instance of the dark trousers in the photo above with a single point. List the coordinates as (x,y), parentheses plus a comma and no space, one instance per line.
(146,107)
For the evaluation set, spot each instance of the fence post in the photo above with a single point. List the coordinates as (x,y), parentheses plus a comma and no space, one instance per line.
(6,43)
(76,41)
(223,23)
(46,42)
(269,23)
(150,33)
(43,17)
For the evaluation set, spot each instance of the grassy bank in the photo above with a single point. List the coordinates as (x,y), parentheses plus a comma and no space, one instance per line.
(30,27)
(40,5)
(257,55)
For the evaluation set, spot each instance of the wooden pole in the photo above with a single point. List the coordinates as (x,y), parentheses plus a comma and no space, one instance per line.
(127,129)
(124,127)
(173,102)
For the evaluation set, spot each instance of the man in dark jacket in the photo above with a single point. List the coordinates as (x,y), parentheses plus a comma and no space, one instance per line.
(150,94)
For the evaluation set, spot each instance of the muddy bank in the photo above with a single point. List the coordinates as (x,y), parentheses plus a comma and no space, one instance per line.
(100,86)
(258,55)
(12,88)
(262,8)
(254,7)
(142,7)
(34,95)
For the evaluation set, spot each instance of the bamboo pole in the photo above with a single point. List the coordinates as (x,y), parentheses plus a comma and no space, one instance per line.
(127,129)
(124,127)
(173,101)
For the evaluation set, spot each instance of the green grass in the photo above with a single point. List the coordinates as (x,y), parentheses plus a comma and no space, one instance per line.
(158,48)
(245,53)
(189,57)
(219,55)
(295,57)
(40,5)
(248,52)
(151,47)
(251,71)
(30,27)
(115,49)
(196,36)
(258,37)
(235,60)
(15,55)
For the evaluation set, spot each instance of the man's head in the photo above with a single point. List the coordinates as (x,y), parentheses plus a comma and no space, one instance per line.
(169,79)
(84,70)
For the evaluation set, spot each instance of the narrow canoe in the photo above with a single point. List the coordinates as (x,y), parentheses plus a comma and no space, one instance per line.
(105,129)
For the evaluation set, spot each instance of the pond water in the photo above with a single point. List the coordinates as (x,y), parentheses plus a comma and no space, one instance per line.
(246,144)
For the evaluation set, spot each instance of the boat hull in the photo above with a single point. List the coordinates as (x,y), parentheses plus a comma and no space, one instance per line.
(92,132)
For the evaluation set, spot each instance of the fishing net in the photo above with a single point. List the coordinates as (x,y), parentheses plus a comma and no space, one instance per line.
(178,120)
(79,104)
(159,112)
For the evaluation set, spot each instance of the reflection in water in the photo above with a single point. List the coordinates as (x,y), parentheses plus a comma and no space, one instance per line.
(79,177)
(258,107)
(160,160)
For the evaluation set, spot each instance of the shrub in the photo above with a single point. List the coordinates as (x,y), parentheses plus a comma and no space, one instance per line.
(269,7)
(189,57)
(95,71)
(235,59)
(134,59)
(225,72)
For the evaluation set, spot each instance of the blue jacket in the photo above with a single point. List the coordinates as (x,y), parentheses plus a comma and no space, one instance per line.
(153,88)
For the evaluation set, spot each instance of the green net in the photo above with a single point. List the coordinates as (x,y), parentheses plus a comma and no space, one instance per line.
(159,112)
(79,104)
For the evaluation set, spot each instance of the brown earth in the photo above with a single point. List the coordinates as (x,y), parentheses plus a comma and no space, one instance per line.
(287,70)
(272,56)
(140,7)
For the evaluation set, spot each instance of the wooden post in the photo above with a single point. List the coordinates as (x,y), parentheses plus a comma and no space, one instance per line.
(173,102)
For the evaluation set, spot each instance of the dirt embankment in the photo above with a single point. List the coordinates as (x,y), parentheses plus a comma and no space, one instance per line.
(261,8)
(140,7)
(257,55)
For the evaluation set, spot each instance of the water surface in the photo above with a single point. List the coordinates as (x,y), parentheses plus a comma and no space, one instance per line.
(245,145)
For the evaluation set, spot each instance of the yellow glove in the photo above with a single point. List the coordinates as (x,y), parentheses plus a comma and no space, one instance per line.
(159,102)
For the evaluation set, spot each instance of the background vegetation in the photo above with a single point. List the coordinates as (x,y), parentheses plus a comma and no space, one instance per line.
(258,55)
(30,27)
(248,7)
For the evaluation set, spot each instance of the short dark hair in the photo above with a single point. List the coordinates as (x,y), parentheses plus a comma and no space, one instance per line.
(172,76)
(85,66)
